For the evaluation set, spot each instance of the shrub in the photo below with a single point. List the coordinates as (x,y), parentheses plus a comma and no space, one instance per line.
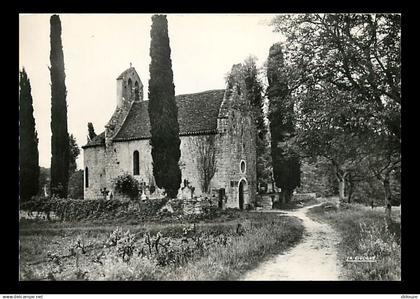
(127,185)
(74,209)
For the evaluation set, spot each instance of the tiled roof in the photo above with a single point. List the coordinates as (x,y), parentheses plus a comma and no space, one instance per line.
(197,114)
(97,140)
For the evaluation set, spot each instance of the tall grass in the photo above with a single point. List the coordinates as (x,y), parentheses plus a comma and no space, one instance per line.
(365,236)
(229,263)
(262,235)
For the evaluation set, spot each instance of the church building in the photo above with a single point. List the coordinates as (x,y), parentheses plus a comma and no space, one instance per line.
(214,125)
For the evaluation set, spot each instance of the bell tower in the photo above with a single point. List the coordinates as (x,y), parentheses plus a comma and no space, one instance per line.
(129,87)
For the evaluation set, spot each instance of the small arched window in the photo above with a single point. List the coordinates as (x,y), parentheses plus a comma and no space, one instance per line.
(129,87)
(243,166)
(86,177)
(136,163)
(136,91)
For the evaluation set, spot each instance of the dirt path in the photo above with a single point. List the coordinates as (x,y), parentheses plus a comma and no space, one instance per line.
(314,258)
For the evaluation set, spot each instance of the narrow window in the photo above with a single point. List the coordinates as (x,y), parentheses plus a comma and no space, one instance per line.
(136,163)
(129,87)
(243,166)
(86,177)
(136,92)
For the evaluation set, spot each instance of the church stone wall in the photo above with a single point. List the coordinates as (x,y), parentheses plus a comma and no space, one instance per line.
(236,144)
(94,157)
(117,159)
(120,161)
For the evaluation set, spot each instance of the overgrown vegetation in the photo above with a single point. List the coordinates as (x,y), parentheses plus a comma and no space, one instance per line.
(100,209)
(285,161)
(207,251)
(112,211)
(91,131)
(254,92)
(365,235)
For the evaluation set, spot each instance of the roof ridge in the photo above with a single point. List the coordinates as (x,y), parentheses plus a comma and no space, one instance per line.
(197,113)
(201,92)
(187,94)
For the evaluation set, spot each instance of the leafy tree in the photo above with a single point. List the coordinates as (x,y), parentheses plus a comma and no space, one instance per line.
(59,138)
(28,142)
(323,131)
(384,162)
(255,96)
(163,111)
(91,131)
(74,153)
(317,176)
(356,53)
(286,165)
(354,61)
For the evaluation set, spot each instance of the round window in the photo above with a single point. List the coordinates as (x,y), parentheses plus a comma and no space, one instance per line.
(243,166)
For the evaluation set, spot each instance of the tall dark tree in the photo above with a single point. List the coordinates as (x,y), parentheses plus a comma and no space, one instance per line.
(255,90)
(59,138)
(286,165)
(163,111)
(28,142)
(76,185)
(91,131)
(74,153)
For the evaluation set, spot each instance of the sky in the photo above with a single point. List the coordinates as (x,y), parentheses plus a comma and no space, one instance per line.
(98,48)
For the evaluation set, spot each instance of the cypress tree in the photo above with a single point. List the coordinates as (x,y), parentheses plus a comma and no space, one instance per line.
(28,142)
(286,165)
(91,131)
(59,137)
(163,111)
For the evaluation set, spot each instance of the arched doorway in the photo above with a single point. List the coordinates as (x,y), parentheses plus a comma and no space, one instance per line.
(242,192)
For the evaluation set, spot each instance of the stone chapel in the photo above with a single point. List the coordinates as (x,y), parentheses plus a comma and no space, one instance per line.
(222,117)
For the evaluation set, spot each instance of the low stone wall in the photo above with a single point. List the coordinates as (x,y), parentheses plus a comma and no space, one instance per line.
(265,201)
(36,215)
(196,205)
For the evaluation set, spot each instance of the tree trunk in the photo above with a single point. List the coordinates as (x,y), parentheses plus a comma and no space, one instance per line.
(341,185)
(287,195)
(341,178)
(388,197)
(350,193)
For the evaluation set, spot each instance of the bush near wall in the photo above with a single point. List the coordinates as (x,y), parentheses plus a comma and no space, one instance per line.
(81,209)
(125,211)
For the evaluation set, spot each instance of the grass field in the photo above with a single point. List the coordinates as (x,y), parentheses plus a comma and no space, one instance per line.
(216,250)
(369,249)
